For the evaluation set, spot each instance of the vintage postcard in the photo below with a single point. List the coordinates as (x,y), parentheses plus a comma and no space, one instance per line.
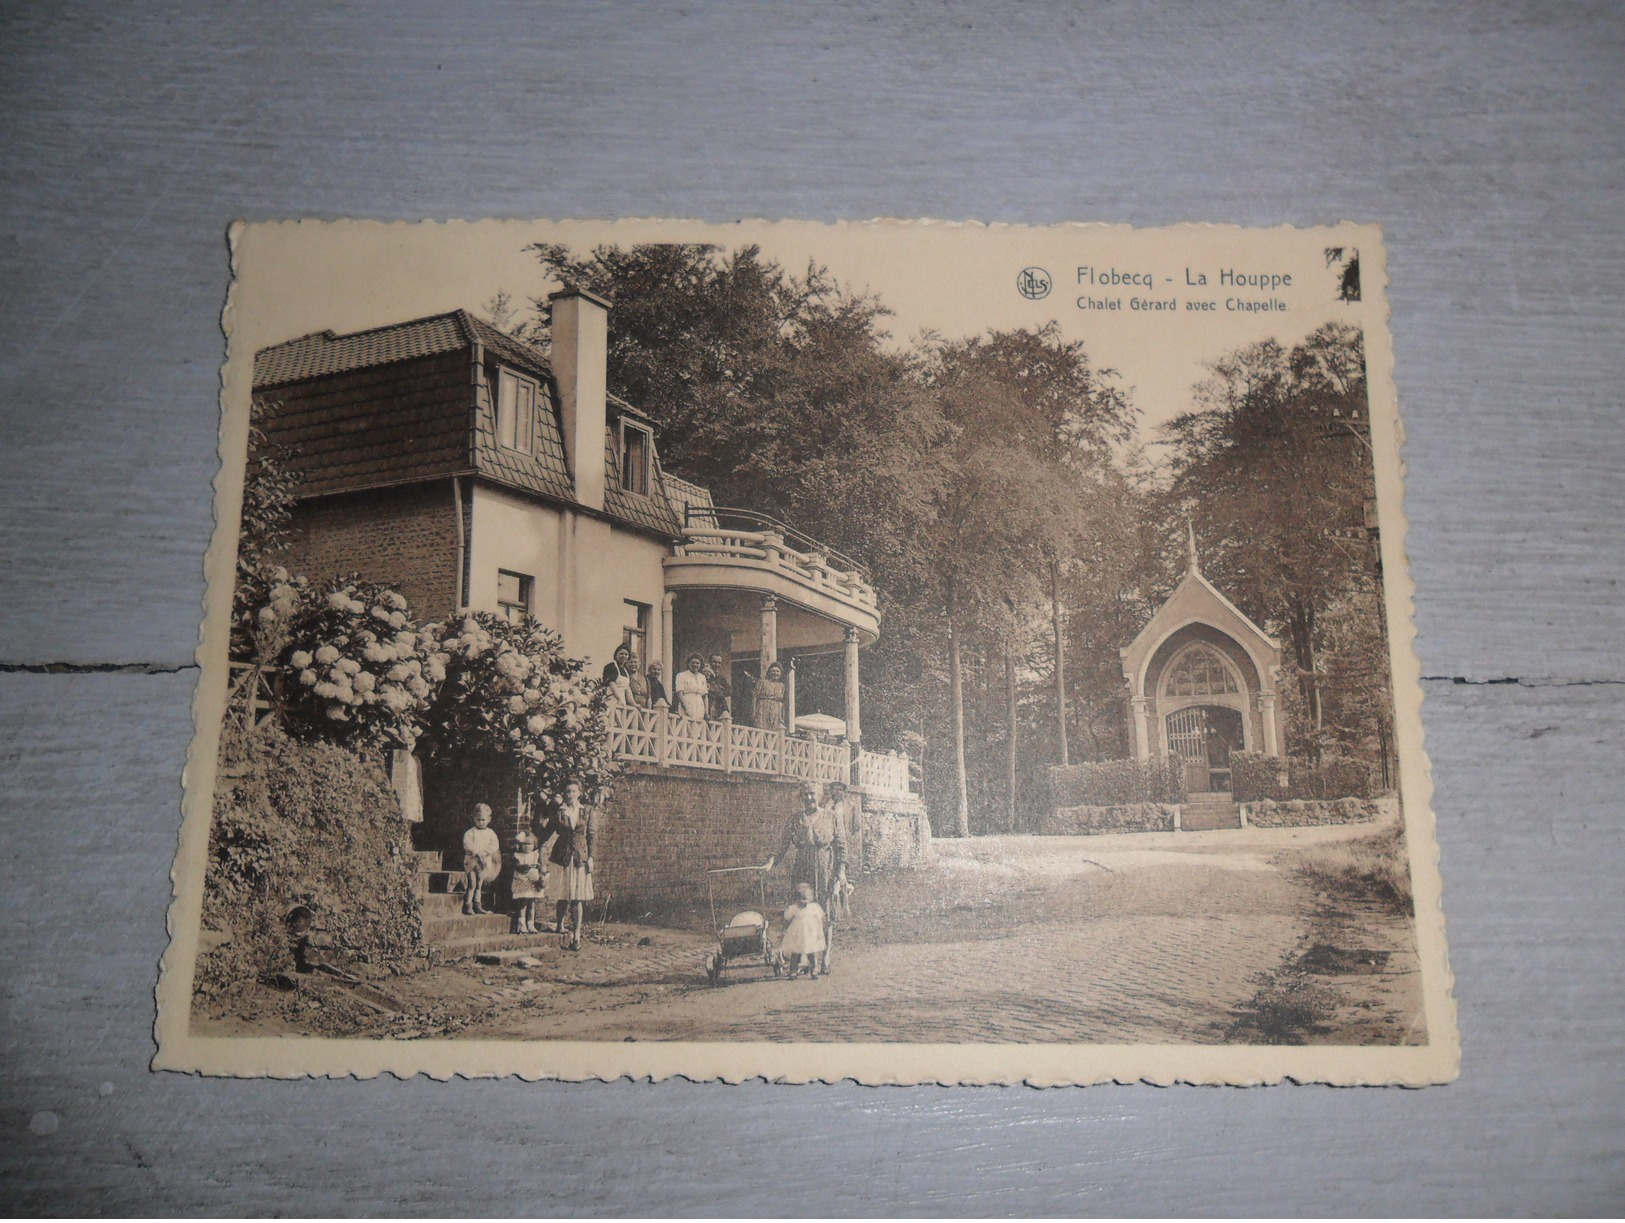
(912,652)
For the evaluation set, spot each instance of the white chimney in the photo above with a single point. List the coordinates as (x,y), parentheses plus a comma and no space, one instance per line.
(580,367)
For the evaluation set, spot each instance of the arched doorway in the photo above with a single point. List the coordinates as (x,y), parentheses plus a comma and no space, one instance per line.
(1203,736)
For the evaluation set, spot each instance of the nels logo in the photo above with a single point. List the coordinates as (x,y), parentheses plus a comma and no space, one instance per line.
(1033,283)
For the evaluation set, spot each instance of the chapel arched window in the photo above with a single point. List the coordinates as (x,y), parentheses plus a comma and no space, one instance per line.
(1198,672)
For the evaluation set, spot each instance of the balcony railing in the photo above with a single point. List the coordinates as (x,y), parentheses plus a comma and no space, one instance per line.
(745,535)
(661,738)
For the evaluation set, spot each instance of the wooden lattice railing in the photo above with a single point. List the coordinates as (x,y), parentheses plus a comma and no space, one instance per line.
(661,738)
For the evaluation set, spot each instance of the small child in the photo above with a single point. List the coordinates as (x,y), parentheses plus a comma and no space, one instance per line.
(804,935)
(527,881)
(482,859)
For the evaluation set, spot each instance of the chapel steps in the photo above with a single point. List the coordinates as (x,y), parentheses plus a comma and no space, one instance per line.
(1209,812)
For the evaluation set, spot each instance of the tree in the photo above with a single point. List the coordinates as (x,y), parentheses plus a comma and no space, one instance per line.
(1029,423)
(1274,469)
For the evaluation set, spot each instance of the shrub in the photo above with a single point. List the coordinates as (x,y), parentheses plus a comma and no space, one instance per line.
(1114,783)
(1255,776)
(304,823)
(356,667)
(1332,777)
(511,690)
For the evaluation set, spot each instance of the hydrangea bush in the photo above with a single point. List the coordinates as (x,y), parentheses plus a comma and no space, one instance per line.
(509,688)
(357,668)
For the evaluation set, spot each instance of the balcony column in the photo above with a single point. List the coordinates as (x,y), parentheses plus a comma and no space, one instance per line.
(854,731)
(789,694)
(770,632)
(667,667)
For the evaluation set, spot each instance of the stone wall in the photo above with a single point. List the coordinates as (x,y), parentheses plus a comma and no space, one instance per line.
(1130,817)
(895,834)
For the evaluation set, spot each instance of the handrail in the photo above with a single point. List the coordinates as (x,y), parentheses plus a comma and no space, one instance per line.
(711,516)
(662,738)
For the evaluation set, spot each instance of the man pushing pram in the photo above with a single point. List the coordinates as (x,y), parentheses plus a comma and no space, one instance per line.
(818,837)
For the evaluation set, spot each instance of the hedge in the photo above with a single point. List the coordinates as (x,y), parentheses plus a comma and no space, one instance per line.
(1115,783)
(1255,776)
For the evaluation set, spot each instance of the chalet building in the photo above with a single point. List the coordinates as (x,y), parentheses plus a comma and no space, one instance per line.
(469,470)
(1201,683)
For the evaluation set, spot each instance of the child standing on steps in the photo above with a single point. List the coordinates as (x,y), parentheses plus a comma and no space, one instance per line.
(527,881)
(804,935)
(482,859)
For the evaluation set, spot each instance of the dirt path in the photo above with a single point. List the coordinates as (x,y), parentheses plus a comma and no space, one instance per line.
(1188,938)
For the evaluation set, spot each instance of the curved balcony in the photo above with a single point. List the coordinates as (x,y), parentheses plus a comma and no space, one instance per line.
(739,550)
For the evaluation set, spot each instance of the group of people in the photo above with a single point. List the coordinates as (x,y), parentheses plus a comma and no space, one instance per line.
(815,844)
(567,832)
(700,691)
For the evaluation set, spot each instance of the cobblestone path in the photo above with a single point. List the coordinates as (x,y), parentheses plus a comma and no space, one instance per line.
(1005,939)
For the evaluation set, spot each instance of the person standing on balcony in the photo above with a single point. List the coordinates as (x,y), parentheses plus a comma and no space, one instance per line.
(691,688)
(719,690)
(639,684)
(768,707)
(618,674)
(657,689)
(819,842)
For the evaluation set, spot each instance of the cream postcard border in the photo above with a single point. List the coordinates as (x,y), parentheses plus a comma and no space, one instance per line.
(1034,1064)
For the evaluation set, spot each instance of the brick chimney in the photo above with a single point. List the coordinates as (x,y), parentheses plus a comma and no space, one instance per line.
(580,363)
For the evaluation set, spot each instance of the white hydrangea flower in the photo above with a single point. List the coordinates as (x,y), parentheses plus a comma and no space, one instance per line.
(307,677)
(349,666)
(516,704)
(338,601)
(366,681)
(327,655)
(397,619)
(536,724)
(395,600)
(267,615)
(300,658)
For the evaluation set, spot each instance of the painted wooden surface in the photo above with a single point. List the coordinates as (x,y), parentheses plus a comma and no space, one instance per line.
(1487,138)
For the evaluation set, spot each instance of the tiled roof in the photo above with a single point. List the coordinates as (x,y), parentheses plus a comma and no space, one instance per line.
(346,442)
(323,352)
(651,510)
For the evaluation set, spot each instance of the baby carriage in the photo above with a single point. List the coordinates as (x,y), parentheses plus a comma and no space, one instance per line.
(744,941)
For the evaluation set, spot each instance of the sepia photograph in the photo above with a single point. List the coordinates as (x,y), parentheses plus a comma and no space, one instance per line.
(901,651)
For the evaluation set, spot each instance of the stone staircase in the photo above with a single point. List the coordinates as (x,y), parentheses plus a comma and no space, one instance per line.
(1208,812)
(450,931)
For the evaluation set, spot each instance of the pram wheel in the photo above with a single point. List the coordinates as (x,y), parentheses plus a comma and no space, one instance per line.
(713,970)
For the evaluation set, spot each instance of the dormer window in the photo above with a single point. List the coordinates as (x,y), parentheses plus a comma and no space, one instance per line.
(637,457)
(516,411)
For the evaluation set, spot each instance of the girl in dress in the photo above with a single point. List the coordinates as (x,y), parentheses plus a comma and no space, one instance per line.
(569,865)
(691,688)
(804,935)
(482,859)
(527,881)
